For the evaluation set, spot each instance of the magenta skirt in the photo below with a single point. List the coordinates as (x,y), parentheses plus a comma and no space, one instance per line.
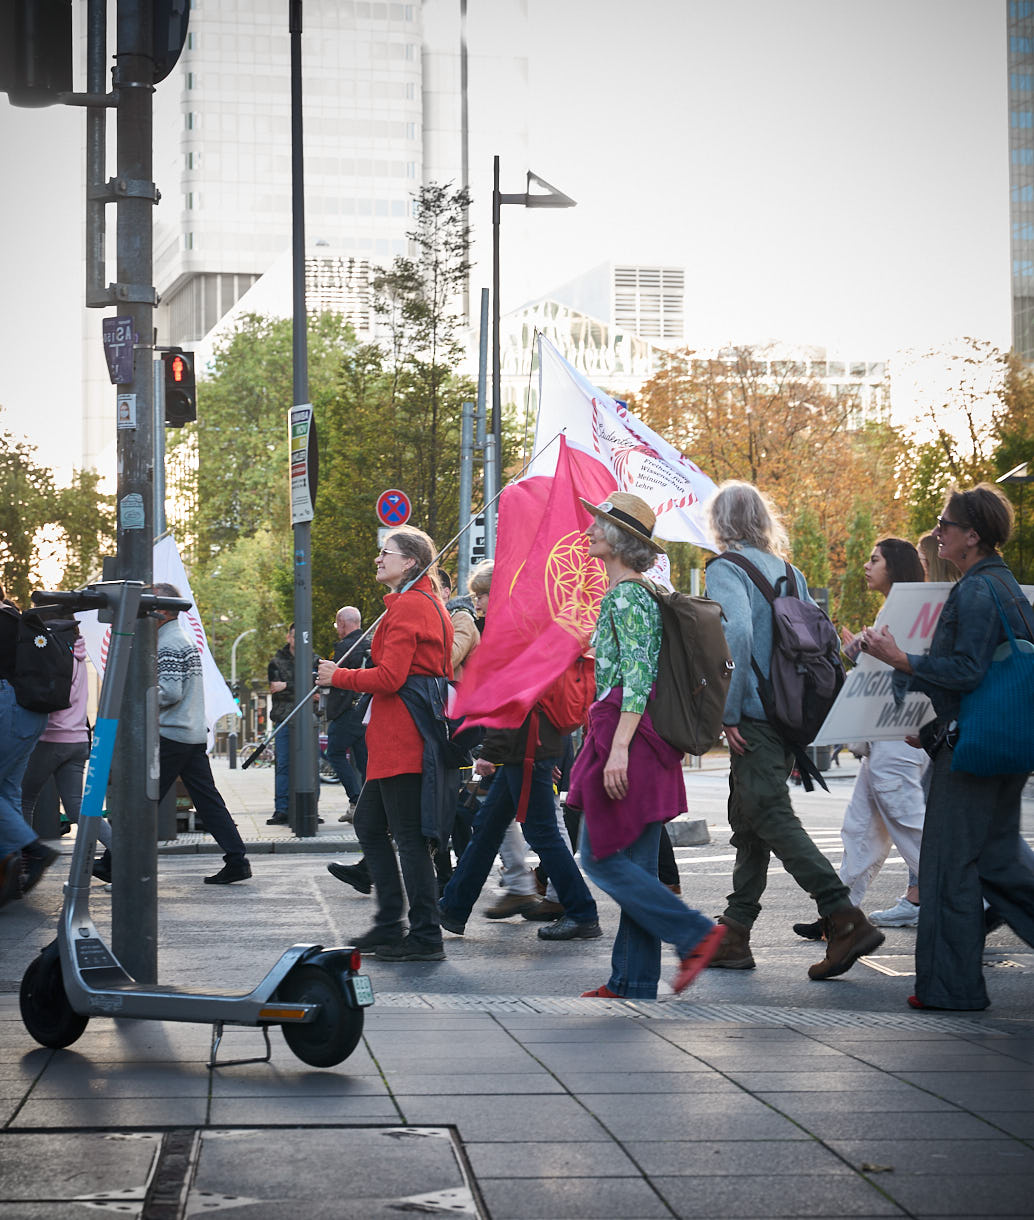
(656,789)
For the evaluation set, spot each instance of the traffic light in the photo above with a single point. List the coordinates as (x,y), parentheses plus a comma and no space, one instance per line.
(180,392)
(35,50)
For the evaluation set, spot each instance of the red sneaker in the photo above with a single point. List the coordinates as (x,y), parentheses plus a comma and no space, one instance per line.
(601,993)
(698,957)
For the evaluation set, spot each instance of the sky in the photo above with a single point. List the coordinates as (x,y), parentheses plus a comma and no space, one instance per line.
(828,172)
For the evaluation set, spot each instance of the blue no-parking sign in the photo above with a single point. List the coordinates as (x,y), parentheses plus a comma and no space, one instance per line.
(393,507)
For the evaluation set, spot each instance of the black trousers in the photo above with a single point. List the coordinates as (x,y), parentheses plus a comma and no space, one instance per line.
(190,763)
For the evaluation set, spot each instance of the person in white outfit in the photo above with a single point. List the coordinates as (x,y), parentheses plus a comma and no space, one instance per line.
(888,805)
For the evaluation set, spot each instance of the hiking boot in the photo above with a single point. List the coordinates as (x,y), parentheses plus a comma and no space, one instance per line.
(849,936)
(810,931)
(355,875)
(546,910)
(566,928)
(512,904)
(409,950)
(36,859)
(734,951)
(376,939)
(239,870)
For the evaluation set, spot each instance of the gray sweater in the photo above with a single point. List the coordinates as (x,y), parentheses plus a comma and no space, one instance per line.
(748,625)
(181,692)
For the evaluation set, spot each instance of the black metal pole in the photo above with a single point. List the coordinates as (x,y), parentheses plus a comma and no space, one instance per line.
(134,899)
(303,813)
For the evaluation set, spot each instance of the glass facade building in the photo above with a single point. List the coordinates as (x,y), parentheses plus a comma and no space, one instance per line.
(1021,172)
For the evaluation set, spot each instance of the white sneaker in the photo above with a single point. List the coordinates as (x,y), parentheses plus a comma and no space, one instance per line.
(903,914)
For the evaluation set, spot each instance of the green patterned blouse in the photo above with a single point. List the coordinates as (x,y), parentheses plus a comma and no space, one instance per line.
(628,644)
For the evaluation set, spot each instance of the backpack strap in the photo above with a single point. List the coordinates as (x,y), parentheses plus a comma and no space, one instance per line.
(436,602)
(755,574)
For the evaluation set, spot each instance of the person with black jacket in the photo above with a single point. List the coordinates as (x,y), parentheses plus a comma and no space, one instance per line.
(345,710)
(281,687)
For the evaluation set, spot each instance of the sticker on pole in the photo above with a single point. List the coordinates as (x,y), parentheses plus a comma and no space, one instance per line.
(393,507)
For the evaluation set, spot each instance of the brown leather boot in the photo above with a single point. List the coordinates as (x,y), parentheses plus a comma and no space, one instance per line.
(734,951)
(849,936)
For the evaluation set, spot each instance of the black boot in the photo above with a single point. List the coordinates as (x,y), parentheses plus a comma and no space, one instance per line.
(102,866)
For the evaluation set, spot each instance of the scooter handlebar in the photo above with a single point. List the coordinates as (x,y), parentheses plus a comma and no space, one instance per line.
(95,598)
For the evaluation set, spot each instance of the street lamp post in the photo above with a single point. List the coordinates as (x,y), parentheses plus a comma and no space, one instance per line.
(233,689)
(549,197)
(1021,475)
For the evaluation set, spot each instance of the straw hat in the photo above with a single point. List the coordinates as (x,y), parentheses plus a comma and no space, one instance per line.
(628,513)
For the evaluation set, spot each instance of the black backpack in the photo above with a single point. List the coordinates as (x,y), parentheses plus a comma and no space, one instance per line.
(43,661)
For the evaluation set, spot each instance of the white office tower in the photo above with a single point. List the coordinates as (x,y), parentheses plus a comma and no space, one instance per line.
(223,147)
(383,114)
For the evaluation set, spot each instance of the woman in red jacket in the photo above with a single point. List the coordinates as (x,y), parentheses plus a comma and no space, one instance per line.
(414,637)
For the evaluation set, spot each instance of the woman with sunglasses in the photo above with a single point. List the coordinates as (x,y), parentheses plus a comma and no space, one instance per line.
(414,638)
(971,835)
(887,802)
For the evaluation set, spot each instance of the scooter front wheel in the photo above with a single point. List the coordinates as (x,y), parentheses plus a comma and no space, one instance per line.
(46,1012)
(335,1032)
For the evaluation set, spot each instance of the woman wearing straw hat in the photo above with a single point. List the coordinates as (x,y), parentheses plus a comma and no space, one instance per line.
(627,780)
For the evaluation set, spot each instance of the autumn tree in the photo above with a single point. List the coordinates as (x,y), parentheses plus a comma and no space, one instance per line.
(857,606)
(416,299)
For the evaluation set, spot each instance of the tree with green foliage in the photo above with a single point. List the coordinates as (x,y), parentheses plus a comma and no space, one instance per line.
(857,606)
(416,299)
(1014,427)
(74,524)
(810,549)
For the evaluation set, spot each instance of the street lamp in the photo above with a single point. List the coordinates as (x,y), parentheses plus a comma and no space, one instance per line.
(551,198)
(1021,475)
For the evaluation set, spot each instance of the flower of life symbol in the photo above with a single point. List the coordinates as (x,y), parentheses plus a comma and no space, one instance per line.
(574,585)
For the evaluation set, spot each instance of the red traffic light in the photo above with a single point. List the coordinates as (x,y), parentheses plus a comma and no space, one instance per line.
(178,368)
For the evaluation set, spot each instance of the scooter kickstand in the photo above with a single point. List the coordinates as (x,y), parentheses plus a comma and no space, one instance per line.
(217,1037)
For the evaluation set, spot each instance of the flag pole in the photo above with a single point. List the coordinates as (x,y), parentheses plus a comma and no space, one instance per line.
(257,750)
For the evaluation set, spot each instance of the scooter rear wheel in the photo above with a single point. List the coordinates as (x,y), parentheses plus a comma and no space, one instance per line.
(337,1028)
(46,1012)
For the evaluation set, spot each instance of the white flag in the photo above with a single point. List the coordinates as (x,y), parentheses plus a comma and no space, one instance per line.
(168,568)
(640,461)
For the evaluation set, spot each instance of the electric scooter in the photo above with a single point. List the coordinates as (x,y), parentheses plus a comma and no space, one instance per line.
(317,996)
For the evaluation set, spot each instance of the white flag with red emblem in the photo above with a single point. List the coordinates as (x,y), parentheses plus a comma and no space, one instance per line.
(639,460)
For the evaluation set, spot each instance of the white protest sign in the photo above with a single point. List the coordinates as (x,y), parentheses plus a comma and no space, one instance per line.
(865,709)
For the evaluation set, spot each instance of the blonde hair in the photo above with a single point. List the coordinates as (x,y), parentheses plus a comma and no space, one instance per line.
(937,569)
(416,545)
(480,578)
(739,513)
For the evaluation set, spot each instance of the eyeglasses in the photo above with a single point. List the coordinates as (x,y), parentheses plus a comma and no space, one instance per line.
(384,551)
(943,523)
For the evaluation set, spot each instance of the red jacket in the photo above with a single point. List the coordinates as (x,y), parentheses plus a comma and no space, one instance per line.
(414,637)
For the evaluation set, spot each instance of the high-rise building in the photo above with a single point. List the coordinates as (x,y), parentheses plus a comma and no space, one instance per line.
(1020,21)
(395,95)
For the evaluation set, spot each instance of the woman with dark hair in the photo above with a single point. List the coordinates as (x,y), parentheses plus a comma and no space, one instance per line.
(972,826)
(413,639)
(886,806)
(627,780)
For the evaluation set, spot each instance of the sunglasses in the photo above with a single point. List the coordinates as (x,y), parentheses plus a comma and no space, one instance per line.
(943,523)
(384,551)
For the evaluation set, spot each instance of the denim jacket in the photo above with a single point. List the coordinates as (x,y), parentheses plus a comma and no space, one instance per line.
(968,632)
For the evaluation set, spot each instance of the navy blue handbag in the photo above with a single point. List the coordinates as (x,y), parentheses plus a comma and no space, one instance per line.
(996,721)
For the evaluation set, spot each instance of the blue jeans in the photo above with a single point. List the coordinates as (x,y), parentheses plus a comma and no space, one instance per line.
(19,731)
(282,761)
(650,913)
(540,830)
(342,735)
